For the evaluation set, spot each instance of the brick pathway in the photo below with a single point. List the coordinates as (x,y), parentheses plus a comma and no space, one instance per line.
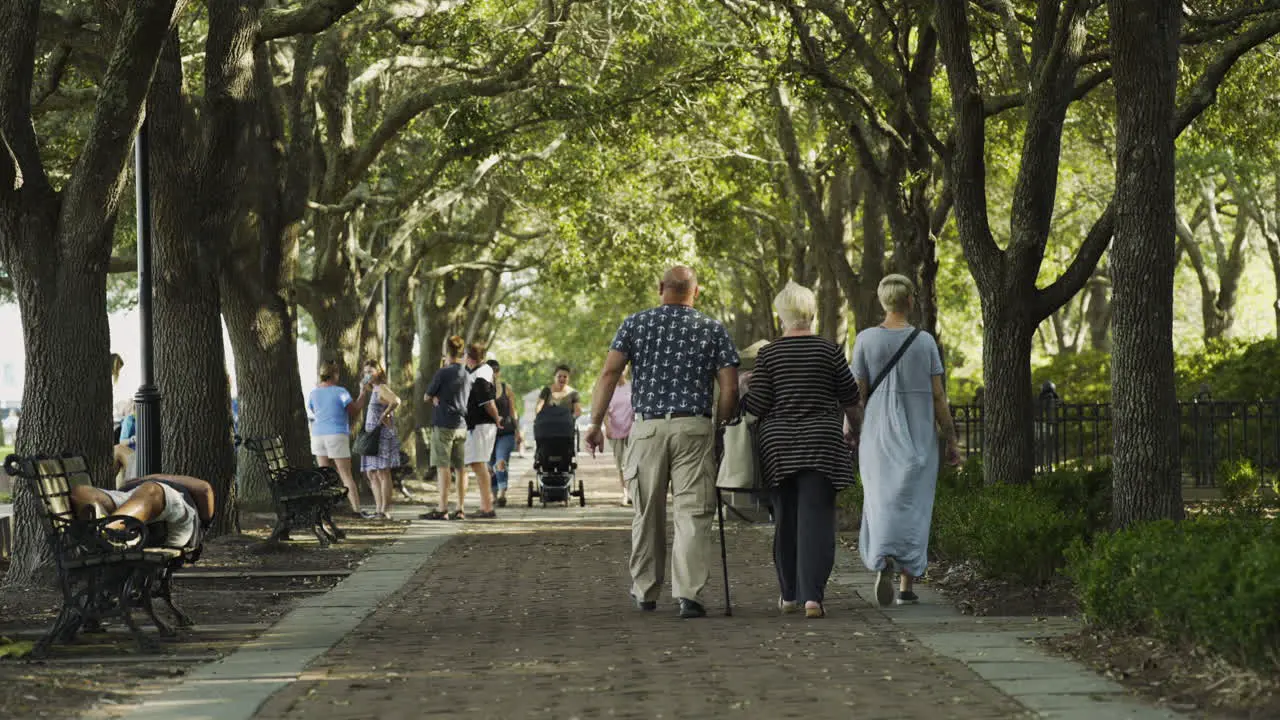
(529,618)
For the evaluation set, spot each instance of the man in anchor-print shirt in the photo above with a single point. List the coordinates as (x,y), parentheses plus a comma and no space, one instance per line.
(676,353)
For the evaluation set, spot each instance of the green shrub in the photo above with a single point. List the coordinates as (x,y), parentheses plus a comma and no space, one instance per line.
(1087,491)
(1233,369)
(1239,481)
(1082,377)
(966,478)
(1211,582)
(1014,532)
(849,507)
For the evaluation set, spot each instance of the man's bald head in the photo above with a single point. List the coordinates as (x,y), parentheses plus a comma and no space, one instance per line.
(679,285)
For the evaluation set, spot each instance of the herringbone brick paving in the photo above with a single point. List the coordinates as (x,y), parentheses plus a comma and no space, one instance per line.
(528,617)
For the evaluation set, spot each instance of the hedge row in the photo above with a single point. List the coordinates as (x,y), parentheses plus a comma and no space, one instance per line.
(1212,581)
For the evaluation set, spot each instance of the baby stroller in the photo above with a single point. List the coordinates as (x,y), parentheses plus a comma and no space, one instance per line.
(555,435)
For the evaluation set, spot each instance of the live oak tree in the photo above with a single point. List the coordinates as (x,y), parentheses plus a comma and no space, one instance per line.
(1220,270)
(1144,47)
(363,117)
(1258,188)
(55,240)
(201,154)
(874,65)
(448,117)
(1055,58)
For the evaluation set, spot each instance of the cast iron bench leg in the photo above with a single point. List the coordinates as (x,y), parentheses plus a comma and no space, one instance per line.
(165,593)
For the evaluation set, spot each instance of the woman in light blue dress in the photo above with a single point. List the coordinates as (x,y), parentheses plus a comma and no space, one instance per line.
(903,410)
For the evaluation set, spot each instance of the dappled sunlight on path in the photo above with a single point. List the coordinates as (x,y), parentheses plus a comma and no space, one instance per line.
(528,616)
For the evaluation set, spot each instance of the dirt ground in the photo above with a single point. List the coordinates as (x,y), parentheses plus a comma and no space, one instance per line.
(1180,678)
(227,611)
(973,594)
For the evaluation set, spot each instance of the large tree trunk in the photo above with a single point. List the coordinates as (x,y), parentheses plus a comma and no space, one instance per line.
(430,326)
(830,306)
(1097,312)
(1008,451)
(1271,232)
(1144,42)
(867,311)
(1273,250)
(265,348)
(197,188)
(338,318)
(400,369)
(257,278)
(55,247)
(915,255)
(66,400)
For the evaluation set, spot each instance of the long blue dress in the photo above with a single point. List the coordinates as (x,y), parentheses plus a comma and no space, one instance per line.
(898,450)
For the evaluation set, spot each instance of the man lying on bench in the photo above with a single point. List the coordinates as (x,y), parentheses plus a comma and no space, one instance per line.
(185,506)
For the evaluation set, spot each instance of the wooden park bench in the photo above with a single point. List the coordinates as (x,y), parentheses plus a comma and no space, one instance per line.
(100,578)
(303,498)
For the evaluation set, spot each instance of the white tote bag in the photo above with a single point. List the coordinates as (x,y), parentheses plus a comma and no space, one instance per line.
(740,465)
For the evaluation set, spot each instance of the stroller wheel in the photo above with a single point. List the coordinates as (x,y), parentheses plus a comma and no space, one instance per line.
(582,495)
(530,493)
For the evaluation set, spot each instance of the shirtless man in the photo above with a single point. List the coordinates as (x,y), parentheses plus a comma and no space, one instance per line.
(185,504)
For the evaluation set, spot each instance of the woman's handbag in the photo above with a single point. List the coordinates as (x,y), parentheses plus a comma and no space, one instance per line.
(740,465)
(367,442)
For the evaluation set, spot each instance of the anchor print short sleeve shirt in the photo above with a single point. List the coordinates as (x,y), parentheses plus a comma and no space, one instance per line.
(675,353)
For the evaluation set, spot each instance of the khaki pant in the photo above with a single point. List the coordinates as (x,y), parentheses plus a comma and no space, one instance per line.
(678,453)
(618,446)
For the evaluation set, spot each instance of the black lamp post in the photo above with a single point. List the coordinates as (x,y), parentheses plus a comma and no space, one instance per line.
(147,399)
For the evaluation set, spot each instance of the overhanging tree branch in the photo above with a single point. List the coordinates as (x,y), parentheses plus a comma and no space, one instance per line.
(1201,96)
(93,190)
(513,78)
(967,165)
(415,217)
(1205,91)
(818,68)
(1065,287)
(20,164)
(314,17)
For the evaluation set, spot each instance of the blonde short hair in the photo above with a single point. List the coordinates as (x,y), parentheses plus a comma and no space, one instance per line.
(796,306)
(895,292)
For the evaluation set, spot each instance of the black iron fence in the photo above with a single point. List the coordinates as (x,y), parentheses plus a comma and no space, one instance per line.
(1214,434)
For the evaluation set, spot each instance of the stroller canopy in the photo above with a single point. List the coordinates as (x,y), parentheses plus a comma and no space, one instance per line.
(553,423)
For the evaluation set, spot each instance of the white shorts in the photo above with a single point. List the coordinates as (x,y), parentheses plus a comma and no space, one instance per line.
(479,447)
(331,446)
(179,517)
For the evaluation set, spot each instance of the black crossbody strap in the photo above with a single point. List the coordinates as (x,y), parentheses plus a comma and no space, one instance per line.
(892,361)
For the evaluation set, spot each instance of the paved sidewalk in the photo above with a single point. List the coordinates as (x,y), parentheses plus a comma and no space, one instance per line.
(528,617)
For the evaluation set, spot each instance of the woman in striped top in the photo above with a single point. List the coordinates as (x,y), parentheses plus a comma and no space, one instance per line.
(803,391)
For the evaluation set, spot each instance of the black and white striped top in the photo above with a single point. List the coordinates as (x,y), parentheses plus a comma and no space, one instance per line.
(798,390)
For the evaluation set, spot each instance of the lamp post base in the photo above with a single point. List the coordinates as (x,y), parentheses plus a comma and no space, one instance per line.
(147,410)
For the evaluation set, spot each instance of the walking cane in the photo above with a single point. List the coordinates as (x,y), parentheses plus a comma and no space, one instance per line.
(724,556)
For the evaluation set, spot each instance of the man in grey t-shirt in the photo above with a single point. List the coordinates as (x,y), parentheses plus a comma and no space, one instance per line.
(449,391)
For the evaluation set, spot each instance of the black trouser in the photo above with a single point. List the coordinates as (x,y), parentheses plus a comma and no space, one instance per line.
(804,536)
